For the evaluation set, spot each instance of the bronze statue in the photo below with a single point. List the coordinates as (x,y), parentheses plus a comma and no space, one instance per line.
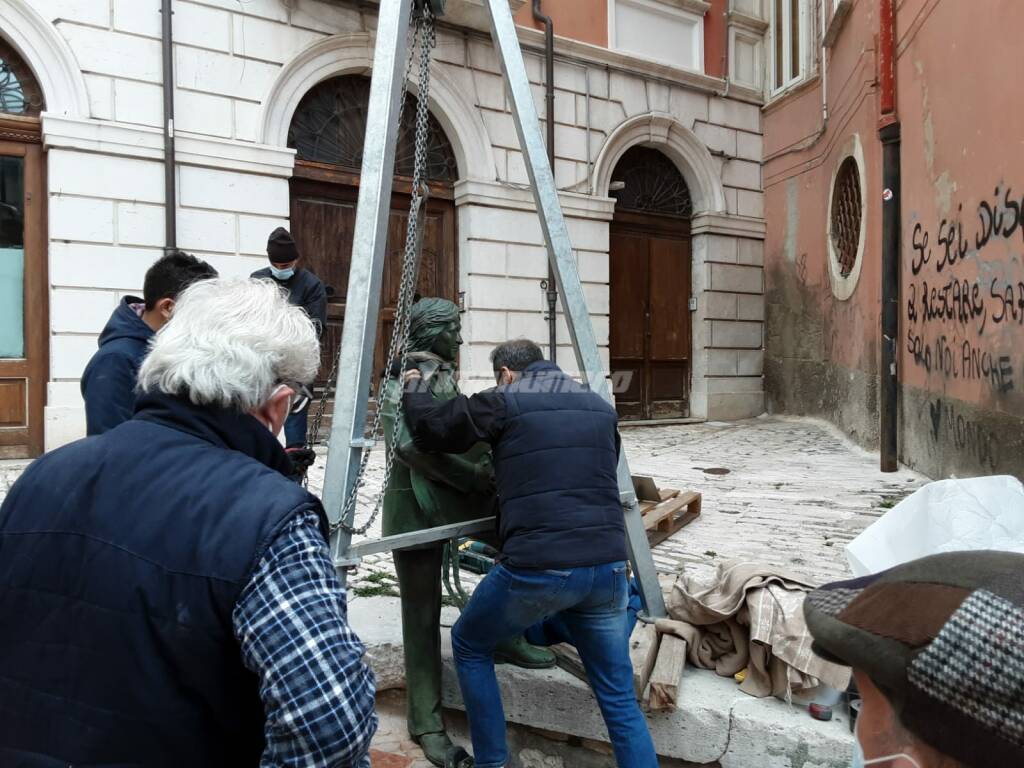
(426,490)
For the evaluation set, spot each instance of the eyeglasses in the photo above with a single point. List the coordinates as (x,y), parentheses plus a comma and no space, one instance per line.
(300,397)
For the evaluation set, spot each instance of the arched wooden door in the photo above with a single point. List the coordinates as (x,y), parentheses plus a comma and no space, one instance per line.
(327,134)
(650,284)
(24,319)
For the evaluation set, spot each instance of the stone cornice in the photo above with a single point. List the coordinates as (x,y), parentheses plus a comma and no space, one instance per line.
(724,224)
(495,194)
(746,21)
(110,138)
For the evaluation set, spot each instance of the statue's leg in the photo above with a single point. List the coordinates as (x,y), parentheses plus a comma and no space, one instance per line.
(419,579)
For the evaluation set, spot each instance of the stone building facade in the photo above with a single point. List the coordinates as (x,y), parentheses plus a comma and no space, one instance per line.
(241,73)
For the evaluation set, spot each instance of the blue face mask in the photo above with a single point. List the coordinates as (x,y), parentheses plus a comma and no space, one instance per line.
(282,274)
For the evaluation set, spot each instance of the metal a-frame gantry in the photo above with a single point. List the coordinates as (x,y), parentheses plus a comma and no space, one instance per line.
(347,438)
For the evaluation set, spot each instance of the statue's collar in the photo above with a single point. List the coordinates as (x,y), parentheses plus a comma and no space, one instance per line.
(430,357)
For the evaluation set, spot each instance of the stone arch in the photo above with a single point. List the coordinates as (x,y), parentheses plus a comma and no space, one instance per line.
(353,54)
(49,56)
(663,132)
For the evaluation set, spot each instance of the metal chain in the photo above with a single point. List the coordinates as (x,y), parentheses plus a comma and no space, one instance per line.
(399,345)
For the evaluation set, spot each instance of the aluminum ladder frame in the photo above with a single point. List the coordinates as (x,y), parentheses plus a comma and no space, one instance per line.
(359,332)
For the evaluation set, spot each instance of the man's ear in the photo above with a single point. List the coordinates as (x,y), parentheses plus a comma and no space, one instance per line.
(166,308)
(272,414)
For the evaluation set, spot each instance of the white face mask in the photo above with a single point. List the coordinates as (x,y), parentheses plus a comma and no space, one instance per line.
(859,760)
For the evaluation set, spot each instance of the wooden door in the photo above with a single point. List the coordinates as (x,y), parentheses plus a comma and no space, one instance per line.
(24,321)
(323,215)
(650,316)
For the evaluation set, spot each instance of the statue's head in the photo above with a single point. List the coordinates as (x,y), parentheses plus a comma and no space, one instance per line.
(434,326)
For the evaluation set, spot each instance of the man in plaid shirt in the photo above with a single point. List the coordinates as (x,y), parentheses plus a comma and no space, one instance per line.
(167,594)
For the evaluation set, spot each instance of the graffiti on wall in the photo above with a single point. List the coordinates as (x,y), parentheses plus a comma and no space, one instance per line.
(952,319)
(952,427)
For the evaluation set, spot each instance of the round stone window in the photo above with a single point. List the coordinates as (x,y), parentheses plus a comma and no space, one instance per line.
(846,220)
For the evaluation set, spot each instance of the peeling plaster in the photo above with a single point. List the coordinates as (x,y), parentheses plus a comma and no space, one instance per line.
(944,185)
(792,219)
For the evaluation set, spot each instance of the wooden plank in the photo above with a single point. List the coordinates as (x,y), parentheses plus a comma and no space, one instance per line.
(643,652)
(663,511)
(667,675)
(668,493)
(657,536)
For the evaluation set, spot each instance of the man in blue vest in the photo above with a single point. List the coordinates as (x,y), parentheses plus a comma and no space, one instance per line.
(556,448)
(166,592)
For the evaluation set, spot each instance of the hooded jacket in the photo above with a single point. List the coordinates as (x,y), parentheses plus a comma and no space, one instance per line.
(304,290)
(108,383)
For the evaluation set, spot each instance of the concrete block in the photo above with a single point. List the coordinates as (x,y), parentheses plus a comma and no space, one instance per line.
(103,52)
(768,733)
(481,257)
(731,385)
(719,306)
(81,218)
(749,146)
(246,120)
(202,26)
(593,266)
(500,293)
(731,200)
(750,251)
(742,174)
(736,278)
(688,106)
(482,56)
(735,114)
(94,13)
(253,232)
(63,425)
(80,265)
(722,362)
(69,355)
(333,18)
(207,231)
(749,307)
(500,128)
(117,178)
(230,191)
(570,142)
(749,362)
(483,326)
(204,114)
(720,248)
(488,89)
(450,47)
(274,10)
(568,174)
(605,116)
(528,325)
(570,77)
(598,298)
(80,311)
(214,72)
(64,394)
(588,234)
(717,138)
(501,225)
(475,362)
(230,265)
(565,108)
(101,96)
(748,203)
(658,96)
(516,168)
(142,17)
(139,224)
(736,334)
(378,623)
(630,92)
(141,103)
(268,40)
(730,407)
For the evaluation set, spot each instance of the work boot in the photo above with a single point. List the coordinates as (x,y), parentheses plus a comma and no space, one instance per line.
(457,757)
(435,746)
(521,654)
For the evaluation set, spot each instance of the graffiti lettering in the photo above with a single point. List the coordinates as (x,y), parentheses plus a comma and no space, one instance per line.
(1009,302)
(999,219)
(964,434)
(962,359)
(951,237)
(923,253)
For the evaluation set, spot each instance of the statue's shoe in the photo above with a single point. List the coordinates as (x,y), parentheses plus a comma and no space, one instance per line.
(435,746)
(521,654)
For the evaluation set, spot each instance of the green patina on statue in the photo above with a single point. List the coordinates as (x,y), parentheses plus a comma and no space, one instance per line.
(426,490)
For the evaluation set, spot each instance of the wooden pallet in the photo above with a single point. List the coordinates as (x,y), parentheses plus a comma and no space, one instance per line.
(676,510)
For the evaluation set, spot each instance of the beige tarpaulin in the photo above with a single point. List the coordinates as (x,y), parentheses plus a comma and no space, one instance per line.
(750,617)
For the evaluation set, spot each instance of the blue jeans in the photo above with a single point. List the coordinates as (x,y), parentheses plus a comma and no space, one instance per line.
(591,602)
(295,429)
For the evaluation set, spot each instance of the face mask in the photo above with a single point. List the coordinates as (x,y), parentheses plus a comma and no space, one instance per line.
(859,761)
(282,274)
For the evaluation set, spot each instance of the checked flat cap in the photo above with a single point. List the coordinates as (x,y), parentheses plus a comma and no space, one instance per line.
(943,638)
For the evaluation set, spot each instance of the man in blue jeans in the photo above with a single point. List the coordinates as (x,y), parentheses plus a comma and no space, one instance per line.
(556,447)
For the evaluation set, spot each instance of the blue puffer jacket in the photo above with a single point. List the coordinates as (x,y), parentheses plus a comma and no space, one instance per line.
(108,384)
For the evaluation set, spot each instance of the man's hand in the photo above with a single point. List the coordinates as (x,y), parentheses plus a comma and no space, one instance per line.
(302,459)
(412,374)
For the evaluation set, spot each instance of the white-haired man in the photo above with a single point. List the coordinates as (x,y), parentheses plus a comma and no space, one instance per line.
(166,591)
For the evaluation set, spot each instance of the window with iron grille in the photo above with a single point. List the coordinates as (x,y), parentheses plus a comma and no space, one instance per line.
(19,92)
(845,216)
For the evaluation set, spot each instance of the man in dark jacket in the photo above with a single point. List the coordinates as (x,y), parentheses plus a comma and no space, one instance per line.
(166,591)
(556,451)
(304,290)
(108,383)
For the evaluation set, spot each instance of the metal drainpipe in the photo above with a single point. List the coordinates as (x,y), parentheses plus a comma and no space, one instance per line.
(170,183)
(549,114)
(889,134)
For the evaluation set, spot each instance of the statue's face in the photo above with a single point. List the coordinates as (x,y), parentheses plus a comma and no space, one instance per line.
(446,345)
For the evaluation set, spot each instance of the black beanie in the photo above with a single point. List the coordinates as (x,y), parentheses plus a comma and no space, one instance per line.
(281,247)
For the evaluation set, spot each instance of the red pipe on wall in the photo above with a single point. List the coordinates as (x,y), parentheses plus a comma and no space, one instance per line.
(887,61)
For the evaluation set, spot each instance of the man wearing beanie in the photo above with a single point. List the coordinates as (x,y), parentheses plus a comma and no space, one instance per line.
(304,290)
(937,650)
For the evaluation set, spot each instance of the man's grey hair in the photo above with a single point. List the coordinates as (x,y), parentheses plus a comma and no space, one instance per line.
(230,342)
(515,355)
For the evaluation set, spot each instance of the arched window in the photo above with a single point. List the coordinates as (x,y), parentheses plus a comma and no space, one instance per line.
(330,124)
(648,182)
(19,92)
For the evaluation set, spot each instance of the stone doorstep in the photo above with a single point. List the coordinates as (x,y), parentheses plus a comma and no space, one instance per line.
(717,724)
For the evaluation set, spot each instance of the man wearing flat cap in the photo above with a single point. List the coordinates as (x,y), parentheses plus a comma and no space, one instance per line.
(937,650)
(304,290)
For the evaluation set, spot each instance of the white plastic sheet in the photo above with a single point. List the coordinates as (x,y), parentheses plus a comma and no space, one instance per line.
(944,516)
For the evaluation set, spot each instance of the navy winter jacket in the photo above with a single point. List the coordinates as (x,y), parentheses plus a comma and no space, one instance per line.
(304,290)
(108,384)
(556,455)
(122,558)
